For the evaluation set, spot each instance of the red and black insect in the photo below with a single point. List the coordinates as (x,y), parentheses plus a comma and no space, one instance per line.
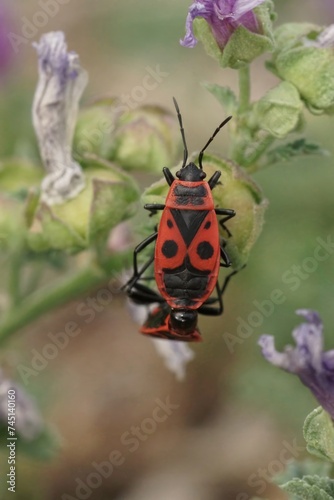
(188,253)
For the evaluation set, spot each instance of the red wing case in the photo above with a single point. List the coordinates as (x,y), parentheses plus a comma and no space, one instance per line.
(157,325)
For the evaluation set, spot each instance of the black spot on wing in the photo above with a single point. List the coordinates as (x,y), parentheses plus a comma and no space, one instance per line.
(169,249)
(205,250)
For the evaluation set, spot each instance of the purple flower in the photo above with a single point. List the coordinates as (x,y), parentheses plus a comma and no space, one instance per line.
(224,17)
(314,367)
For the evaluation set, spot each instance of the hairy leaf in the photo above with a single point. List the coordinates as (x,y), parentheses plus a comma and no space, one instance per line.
(300,147)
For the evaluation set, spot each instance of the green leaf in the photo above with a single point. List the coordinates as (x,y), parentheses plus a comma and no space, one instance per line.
(319,434)
(300,147)
(311,488)
(243,47)
(317,90)
(290,35)
(224,95)
(278,111)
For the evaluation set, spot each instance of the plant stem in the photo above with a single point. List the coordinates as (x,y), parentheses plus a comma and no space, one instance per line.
(244,89)
(49,297)
(237,135)
(262,147)
(46,299)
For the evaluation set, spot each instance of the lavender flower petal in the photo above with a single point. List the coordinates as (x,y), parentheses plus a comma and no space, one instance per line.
(250,22)
(198,9)
(314,367)
(55,108)
(241,7)
(328,360)
(308,337)
(285,360)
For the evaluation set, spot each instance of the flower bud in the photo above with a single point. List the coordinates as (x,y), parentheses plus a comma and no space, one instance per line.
(107,199)
(237,191)
(146,138)
(93,133)
(279,110)
(234,32)
(305,58)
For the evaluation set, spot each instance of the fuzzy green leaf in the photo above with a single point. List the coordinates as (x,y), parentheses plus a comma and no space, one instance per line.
(278,111)
(319,434)
(298,54)
(224,95)
(311,488)
(300,147)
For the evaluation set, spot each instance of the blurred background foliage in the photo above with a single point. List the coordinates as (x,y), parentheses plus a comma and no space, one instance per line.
(235,408)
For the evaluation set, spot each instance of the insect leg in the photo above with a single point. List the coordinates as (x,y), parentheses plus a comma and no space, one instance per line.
(142,294)
(207,308)
(153,208)
(137,274)
(225,258)
(214,179)
(228,215)
(168,176)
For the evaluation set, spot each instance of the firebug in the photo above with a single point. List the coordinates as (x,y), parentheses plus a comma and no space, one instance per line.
(188,252)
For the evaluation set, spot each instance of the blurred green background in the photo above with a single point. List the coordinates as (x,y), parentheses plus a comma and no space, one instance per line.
(235,410)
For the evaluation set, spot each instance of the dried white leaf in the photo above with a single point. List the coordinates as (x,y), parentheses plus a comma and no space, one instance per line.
(55,109)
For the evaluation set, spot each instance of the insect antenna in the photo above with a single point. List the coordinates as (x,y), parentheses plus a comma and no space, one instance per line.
(185,153)
(200,156)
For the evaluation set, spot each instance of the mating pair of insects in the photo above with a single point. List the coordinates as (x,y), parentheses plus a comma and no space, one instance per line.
(188,253)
